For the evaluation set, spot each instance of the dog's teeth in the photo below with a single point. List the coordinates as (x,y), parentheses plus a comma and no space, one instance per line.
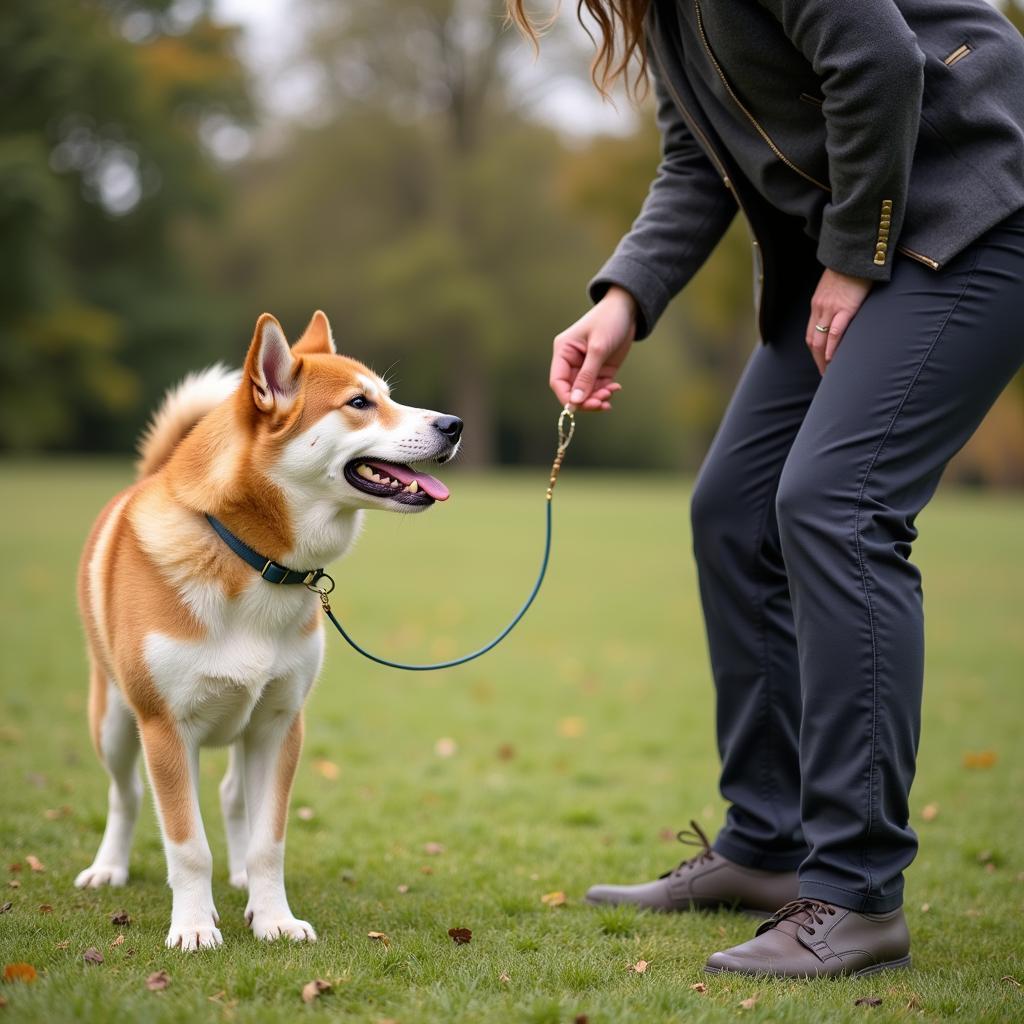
(365,472)
(413,487)
(395,483)
(375,478)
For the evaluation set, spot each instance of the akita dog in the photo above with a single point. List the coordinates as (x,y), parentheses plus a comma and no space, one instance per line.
(191,643)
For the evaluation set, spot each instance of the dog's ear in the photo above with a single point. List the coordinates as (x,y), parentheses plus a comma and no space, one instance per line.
(316,337)
(270,368)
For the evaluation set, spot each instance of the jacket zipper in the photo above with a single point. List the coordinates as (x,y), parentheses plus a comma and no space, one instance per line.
(750,117)
(920,257)
(713,156)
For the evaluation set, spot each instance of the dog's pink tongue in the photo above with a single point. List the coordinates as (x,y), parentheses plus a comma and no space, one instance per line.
(405,475)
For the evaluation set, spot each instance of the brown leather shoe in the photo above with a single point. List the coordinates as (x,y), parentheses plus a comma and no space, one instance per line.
(811,939)
(706,881)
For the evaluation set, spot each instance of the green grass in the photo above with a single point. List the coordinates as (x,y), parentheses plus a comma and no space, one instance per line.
(616,646)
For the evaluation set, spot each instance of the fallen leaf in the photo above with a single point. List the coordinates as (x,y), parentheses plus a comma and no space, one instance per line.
(45,908)
(914,1003)
(35,863)
(506,752)
(867,1001)
(63,944)
(553,899)
(14,884)
(699,987)
(504,978)
(380,937)
(640,967)
(56,813)
(158,981)
(1011,980)
(119,941)
(328,769)
(7,906)
(92,956)
(403,888)
(748,1004)
(305,813)
(121,919)
(460,936)
(446,747)
(15,867)
(572,728)
(426,870)
(981,759)
(990,868)
(20,972)
(929,812)
(433,849)
(972,913)
(315,989)
(581,1018)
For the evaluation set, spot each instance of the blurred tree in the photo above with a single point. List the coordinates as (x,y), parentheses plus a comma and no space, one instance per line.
(106,106)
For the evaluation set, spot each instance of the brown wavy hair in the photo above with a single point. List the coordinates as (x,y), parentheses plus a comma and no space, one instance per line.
(620,52)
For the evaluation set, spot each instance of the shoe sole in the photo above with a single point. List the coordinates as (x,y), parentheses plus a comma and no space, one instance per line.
(692,907)
(889,965)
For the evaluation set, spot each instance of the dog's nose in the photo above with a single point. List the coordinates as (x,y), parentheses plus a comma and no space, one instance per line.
(450,426)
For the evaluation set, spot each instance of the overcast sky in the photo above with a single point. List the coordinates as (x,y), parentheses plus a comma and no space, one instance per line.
(271,44)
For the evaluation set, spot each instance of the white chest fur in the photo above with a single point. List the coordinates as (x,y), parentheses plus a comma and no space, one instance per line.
(252,641)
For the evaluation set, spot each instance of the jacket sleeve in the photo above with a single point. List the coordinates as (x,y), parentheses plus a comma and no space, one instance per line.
(871,71)
(686,212)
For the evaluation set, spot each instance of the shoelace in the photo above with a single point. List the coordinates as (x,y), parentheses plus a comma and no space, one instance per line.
(815,912)
(697,838)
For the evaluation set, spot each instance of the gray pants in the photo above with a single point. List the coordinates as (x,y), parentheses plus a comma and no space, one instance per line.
(803,520)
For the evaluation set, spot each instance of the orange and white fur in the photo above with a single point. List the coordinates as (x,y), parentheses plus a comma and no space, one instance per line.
(189,647)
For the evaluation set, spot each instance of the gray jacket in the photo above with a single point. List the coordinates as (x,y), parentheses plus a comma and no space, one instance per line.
(846,130)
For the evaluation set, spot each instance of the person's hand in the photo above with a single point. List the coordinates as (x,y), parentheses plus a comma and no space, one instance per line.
(834,304)
(587,355)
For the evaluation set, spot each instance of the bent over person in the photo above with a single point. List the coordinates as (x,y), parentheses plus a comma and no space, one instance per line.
(876,149)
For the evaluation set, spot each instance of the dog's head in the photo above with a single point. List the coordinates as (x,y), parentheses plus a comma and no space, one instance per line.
(329,430)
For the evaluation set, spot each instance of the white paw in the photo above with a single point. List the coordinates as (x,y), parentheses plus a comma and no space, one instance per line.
(194,936)
(239,880)
(98,875)
(269,928)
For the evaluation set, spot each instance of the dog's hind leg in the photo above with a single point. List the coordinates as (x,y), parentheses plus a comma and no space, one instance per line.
(273,740)
(236,823)
(116,739)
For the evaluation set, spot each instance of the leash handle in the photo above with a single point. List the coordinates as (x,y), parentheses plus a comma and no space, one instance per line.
(323,584)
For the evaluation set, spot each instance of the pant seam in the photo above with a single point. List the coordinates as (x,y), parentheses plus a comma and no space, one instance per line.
(863,568)
(766,774)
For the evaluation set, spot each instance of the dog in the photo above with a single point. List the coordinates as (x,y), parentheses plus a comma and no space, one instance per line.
(190,645)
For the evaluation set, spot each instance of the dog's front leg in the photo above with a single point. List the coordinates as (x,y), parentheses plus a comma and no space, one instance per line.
(172,761)
(272,743)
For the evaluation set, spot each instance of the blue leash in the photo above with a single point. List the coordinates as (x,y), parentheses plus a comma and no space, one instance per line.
(566,428)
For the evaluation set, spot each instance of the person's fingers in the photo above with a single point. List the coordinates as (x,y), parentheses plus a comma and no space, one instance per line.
(816,340)
(583,384)
(836,331)
(565,361)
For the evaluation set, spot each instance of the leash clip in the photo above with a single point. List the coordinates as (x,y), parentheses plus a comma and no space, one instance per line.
(321,591)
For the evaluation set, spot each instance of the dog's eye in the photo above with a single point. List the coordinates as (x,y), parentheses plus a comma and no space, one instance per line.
(360,402)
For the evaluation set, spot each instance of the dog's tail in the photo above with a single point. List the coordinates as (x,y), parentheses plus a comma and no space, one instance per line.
(182,408)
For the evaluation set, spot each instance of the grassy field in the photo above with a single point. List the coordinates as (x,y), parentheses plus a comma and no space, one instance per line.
(565,758)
